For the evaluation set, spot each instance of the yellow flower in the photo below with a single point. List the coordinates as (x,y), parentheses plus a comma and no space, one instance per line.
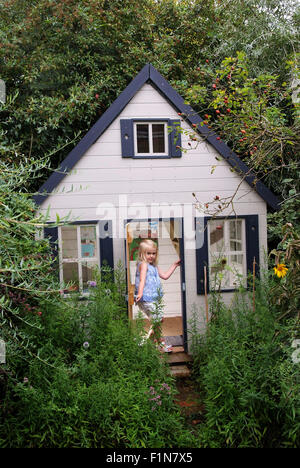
(280,270)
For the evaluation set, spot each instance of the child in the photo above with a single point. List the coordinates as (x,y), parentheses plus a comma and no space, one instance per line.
(147,283)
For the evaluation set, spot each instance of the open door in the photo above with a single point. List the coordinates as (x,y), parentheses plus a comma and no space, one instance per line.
(135,233)
(167,235)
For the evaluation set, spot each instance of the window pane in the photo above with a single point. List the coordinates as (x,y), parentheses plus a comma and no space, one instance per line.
(237,259)
(158,138)
(218,264)
(218,272)
(216,237)
(234,245)
(142,131)
(88,241)
(70,274)
(236,270)
(235,229)
(69,242)
(88,269)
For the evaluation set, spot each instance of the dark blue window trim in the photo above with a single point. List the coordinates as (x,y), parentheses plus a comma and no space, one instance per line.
(127,139)
(252,247)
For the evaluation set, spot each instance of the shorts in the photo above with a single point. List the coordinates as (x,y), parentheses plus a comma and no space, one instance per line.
(147,307)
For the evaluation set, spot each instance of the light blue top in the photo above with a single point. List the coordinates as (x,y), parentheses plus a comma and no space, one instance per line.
(152,289)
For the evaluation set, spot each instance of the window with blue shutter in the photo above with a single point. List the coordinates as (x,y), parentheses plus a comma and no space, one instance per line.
(153,138)
(227,247)
(81,249)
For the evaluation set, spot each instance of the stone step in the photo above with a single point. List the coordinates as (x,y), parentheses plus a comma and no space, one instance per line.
(180,371)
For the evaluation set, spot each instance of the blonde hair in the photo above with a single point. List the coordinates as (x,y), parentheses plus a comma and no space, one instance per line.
(144,245)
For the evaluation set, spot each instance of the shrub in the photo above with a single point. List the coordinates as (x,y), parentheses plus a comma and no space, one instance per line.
(250,383)
(99,388)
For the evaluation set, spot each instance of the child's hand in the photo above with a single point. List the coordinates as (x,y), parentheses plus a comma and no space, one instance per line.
(138,297)
(177,263)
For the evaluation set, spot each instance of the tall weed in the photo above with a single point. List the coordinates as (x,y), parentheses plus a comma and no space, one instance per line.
(251,386)
(93,385)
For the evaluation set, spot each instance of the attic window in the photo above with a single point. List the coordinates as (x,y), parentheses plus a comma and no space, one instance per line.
(150,138)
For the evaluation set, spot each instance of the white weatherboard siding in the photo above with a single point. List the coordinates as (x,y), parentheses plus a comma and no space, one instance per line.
(102,174)
(92,189)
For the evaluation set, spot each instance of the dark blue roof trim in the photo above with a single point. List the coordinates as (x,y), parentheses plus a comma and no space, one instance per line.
(151,75)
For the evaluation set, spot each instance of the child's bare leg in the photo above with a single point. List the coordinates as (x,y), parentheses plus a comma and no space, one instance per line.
(150,332)
(148,311)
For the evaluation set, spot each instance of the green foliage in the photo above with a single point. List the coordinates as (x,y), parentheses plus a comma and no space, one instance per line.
(156,319)
(75,374)
(245,369)
(286,291)
(256,116)
(101,390)
(64,62)
(266,30)
(27,283)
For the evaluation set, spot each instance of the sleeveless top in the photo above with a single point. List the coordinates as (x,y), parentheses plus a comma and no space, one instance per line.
(152,289)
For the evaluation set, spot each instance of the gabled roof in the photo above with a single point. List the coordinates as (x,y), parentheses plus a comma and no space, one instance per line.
(150,75)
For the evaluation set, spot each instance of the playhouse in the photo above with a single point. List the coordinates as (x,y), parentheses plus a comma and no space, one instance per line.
(133,176)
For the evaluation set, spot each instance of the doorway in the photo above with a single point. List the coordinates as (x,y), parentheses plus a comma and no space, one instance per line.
(168,235)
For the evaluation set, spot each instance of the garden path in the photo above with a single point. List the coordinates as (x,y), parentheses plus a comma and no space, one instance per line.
(189,400)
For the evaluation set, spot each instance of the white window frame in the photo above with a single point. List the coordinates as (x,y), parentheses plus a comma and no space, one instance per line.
(150,123)
(227,253)
(79,260)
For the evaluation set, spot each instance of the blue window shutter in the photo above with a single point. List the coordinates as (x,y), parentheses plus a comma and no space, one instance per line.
(201,254)
(252,242)
(127,141)
(52,235)
(106,244)
(174,139)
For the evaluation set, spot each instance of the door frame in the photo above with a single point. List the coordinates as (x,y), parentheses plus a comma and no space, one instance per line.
(182,268)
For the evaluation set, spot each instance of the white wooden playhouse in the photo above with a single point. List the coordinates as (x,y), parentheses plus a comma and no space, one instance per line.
(133,175)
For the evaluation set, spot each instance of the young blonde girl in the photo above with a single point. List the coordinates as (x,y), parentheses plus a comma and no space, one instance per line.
(148,289)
